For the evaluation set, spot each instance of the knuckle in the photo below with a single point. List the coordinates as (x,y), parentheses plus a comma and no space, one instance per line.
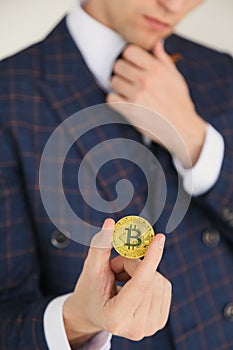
(118,65)
(144,81)
(152,330)
(135,334)
(162,323)
(128,51)
(168,286)
(163,320)
(138,337)
(143,286)
(114,80)
(159,281)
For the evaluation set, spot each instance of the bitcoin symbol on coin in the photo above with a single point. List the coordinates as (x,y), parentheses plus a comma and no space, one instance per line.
(132,235)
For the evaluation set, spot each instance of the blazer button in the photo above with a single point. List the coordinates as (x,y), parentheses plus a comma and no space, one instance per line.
(228,216)
(59,239)
(228,312)
(211,238)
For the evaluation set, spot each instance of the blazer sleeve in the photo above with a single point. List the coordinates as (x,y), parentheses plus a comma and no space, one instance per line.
(22,304)
(218,201)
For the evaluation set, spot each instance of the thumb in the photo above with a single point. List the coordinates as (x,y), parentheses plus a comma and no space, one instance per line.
(101,244)
(159,52)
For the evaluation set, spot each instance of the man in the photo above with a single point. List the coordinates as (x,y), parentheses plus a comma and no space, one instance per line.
(43,86)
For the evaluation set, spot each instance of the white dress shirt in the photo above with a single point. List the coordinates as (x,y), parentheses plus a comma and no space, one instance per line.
(55,333)
(105,46)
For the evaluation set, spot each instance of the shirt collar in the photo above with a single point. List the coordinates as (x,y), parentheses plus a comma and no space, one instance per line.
(100,50)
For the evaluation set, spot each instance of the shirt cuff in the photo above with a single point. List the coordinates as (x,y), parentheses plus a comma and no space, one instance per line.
(204,174)
(55,333)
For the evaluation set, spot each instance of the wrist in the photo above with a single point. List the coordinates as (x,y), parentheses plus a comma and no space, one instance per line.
(193,137)
(77,330)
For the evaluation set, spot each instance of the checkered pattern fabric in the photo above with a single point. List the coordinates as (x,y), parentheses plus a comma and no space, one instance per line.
(41,87)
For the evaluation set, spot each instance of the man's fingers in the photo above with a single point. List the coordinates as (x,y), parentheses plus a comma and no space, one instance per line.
(152,258)
(161,54)
(101,243)
(126,70)
(138,56)
(121,264)
(122,277)
(122,86)
(113,99)
(154,252)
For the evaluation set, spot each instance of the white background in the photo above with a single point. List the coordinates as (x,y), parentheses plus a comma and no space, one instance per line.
(23,22)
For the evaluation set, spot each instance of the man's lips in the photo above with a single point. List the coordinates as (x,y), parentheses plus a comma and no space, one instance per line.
(156,23)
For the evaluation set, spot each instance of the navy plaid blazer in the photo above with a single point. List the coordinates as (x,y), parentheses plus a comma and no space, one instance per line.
(39,88)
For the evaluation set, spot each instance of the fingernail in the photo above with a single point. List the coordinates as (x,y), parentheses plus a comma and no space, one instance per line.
(161,242)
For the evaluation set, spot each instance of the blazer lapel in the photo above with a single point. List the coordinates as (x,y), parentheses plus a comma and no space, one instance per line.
(69,87)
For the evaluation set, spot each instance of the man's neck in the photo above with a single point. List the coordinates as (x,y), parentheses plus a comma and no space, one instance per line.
(97,10)
(98,44)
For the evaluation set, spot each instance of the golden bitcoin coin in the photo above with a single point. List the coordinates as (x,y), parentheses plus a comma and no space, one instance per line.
(131,236)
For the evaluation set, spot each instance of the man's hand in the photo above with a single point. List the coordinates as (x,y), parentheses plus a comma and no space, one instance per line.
(138,309)
(152,81)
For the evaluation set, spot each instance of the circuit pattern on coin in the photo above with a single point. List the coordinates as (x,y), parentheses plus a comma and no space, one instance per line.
(132,236)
